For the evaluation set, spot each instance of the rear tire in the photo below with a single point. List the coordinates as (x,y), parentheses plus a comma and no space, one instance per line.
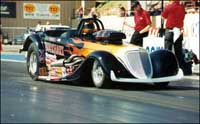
(32,62)
(99,77)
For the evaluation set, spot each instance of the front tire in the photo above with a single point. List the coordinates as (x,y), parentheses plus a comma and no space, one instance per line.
(33,62)
(99,77)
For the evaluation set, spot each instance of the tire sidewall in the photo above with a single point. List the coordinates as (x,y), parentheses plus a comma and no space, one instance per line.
(32,48)
(105,82)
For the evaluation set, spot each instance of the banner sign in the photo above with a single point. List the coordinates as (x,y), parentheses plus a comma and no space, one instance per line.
(8,9)
(152,44)
(192,33)
(41,11)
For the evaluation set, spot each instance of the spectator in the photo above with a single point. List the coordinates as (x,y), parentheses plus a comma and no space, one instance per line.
(174,13)
(47,23)
(93,12)
(142,24)
(122,11)
(154,7)
(80,12)
(27,30)
(38,26)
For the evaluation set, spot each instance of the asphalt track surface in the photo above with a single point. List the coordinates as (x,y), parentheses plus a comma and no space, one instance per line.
(26,101)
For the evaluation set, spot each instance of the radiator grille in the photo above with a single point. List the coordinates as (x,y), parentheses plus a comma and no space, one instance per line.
(139,64)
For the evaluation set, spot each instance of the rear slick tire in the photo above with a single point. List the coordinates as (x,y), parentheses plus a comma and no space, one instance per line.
(32,62)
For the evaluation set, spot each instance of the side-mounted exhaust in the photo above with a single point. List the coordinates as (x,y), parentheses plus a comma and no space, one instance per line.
(71,61)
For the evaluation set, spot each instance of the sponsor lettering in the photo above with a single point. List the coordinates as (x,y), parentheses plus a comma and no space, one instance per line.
(152,49)
(8,9)
(53,48)
(4,8)
(195,29)
(41,11)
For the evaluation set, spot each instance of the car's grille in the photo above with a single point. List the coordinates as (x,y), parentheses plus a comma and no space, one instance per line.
(139,64)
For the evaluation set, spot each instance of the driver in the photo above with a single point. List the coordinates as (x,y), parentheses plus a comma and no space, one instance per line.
(89,28)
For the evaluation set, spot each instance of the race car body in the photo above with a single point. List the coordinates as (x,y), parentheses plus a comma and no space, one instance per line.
(92,53)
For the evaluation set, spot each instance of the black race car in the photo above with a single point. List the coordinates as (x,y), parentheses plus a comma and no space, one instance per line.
(92,53)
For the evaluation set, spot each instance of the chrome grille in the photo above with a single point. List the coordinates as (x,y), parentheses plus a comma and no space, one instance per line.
(139,64)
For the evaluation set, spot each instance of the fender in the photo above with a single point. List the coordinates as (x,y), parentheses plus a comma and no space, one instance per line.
(164,63)
(35,38)
(109,62)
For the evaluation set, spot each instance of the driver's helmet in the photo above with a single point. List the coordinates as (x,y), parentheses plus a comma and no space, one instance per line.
(89,27)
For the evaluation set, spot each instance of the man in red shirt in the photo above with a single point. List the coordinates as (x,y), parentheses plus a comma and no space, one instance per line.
(142,24)
(174,14)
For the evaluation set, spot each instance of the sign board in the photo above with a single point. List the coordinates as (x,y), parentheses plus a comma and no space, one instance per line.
(41,11)
(153,43)
(191,33)
(8,9)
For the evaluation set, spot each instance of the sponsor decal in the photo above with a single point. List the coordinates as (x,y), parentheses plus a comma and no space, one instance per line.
(29,8)
(43,71)
(195,29)
(41,11)
(53,48)
(152,48)
(54,9)
(154,43)
(57,72)
(8,9)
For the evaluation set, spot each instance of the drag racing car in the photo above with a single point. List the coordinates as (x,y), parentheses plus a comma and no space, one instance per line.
(90,53)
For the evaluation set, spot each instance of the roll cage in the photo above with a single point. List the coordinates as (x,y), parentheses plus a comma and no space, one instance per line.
(96,22)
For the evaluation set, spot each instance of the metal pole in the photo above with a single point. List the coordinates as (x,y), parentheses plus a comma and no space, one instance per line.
(162,20)
(162,7)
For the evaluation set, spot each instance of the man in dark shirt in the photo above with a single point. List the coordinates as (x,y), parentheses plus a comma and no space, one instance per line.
(174,14)
(142,24)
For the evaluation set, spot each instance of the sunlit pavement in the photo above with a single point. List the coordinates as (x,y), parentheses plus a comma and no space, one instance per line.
(26,101)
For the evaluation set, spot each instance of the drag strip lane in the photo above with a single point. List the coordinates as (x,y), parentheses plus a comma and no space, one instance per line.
(13,57)
(24,100)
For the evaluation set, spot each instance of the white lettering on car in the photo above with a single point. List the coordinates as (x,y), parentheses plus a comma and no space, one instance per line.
(53,48)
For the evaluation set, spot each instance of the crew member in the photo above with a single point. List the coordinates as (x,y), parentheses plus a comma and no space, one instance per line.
(142,24)
(80,12)
(174,13)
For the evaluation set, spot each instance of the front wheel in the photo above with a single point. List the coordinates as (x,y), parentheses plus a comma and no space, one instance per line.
(33,62)
(99,77)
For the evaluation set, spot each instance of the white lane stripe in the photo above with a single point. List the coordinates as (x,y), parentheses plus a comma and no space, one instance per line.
(9,60)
